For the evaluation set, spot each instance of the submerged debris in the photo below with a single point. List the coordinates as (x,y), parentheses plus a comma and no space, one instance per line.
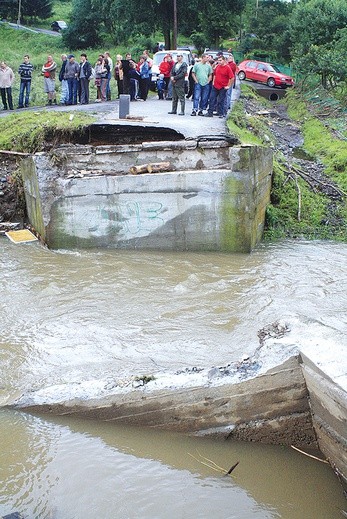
(276,330)
(212,465)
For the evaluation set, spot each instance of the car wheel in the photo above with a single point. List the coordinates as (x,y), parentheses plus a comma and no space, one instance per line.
(242,75)
(271,82)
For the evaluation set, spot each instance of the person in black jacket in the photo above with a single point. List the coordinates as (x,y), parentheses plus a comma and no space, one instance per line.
(84,76)
(126,69)
(25,72)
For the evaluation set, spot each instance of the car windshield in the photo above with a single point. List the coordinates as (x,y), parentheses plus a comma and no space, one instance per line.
(214,54)
(273,68)
(159,56)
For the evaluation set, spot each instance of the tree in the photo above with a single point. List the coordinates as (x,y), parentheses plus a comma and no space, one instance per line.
(328,61)
(316,22)
(29,9)
(124,19)
(84,31)
(318,30)
(38,9)
(270,22)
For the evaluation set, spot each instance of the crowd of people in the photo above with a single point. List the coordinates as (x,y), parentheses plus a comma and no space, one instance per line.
(210,81)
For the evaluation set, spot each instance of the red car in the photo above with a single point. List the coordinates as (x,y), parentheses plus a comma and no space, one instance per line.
(264,73)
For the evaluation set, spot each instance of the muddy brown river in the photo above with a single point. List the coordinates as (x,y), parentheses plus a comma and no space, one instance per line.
(90,315)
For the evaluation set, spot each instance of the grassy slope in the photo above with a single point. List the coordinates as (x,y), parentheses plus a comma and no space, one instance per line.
(282,214)
(27,131)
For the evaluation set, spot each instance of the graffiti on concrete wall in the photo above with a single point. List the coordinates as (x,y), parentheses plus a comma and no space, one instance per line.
(135,217)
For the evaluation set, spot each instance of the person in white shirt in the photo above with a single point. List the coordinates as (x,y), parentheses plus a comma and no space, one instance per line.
(6,82)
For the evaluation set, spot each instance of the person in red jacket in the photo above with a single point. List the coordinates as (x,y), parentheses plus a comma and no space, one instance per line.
(48,70)
(232,65)
(165,68)
(223,79)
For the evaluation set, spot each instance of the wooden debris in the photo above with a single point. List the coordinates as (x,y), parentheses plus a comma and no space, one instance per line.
(159,166)
(135,170)
(299,195)
(212,465)
(135,118)
(19,153)
(150,168)
(232,468)
(309,455)
(74,173)
(292,172)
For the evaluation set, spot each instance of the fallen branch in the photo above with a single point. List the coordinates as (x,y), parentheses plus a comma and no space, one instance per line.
(18,153)
(212,465)
(299,196)
(309,180)
(287,169)
(202,463)
(309,455)
(303,175)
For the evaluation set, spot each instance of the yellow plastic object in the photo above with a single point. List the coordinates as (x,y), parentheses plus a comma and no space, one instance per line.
(22,236)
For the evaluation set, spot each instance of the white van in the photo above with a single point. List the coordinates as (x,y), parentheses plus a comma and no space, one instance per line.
(158,57)
(58,26)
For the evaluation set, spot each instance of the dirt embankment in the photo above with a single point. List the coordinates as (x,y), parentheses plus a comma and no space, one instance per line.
(289,141)
(294,160)
(12,207)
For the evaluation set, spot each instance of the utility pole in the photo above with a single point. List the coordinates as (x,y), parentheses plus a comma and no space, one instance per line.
(174,35)
(19,11)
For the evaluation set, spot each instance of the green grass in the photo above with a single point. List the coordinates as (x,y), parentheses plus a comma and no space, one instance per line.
(282,215)
(248,129)
(29,131)
(321,142)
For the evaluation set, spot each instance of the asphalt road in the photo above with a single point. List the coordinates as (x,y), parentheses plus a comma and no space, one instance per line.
(30,29)
(145,113)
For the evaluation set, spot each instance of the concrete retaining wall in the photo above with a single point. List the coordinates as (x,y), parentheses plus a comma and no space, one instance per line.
(325,374)
(213,198)
(272,408)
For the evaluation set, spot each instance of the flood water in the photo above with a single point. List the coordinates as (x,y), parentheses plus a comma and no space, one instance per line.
(79,316)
